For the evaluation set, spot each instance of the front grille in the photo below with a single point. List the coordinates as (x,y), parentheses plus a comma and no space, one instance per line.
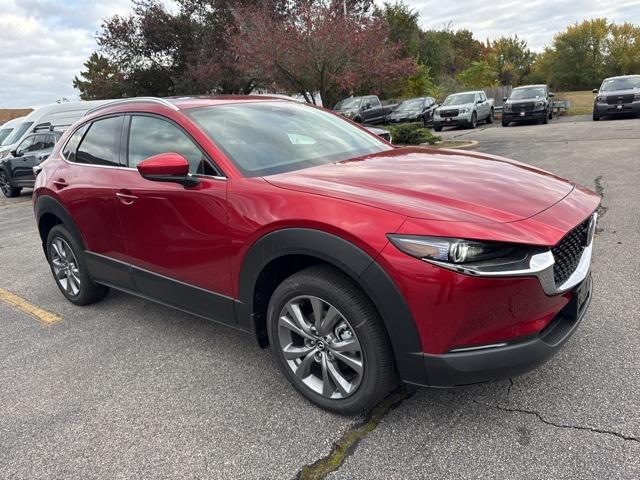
(615,99)
(524,107)
(448,113)
(567,253)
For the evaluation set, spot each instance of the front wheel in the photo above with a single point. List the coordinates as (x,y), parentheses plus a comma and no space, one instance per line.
(505,123)
(596,116)
(329,341)
(474,120)
(8,190)
(68,268)
(545,120)
(437,127)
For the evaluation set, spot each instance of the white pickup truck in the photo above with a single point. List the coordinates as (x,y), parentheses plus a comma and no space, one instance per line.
(466,109)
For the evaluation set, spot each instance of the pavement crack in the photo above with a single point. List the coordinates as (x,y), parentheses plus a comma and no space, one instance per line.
(349,441)
(539,416)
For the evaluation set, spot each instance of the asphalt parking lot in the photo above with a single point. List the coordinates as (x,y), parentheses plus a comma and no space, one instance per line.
(129,389)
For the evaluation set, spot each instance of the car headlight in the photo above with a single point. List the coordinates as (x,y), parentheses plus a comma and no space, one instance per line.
(463,110)
(540,105)
(450,250)
(4,154)
(636,97)
(507,107)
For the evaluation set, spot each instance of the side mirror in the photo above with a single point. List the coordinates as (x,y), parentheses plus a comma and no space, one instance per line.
(167,167)
(552,94)
(367,106)
(595,90)
(15,153)
(504,99)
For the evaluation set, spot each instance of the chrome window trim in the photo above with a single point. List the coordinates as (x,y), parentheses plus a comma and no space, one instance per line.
(540,266)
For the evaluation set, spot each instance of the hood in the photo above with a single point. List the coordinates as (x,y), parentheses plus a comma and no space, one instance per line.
(456,106)
(433,184)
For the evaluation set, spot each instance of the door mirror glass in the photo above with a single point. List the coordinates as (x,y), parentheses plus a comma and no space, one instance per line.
(504,99)
(167,167)
(15,153)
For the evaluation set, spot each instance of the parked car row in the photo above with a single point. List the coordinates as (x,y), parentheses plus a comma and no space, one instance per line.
(27,141)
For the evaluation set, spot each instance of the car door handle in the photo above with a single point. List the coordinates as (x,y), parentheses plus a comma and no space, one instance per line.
(125,197)
(60,183)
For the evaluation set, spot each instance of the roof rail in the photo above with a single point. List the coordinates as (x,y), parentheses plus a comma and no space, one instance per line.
(158,100)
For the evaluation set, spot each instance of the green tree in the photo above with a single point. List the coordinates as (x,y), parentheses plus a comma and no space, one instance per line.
(478,75)
(511,59)
(623,47)
(100,80)
(403,26)
(419,84)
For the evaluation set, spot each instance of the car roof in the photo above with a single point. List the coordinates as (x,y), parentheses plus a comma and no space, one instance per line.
(12,123)
(532,85)
(621,76)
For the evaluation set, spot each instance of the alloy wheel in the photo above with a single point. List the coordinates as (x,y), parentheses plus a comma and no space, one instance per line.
(320,346)
(65,266)
(4,184)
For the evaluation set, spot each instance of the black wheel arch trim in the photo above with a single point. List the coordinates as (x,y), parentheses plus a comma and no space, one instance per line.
(46,204)
(356,263)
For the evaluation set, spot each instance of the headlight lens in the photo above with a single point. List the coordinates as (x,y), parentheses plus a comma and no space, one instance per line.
(507,107)
(450,250)
(464,110)
(4,154)
(636,96)
(539,105)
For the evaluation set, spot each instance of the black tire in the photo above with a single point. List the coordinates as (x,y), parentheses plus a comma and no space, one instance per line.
(88,290)
(505,123)
(490,117)
(595,116)
(474,120)
(338,290)
(7,188)
(437,127)
(545,120)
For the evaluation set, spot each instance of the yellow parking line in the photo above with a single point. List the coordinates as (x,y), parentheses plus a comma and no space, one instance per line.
(21,304)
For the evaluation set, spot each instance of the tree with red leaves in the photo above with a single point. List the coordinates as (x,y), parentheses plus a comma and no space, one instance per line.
(317,48)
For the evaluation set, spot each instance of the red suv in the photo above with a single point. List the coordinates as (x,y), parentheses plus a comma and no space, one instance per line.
(358,262)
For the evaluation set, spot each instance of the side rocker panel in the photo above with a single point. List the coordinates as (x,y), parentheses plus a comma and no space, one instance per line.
(357,264)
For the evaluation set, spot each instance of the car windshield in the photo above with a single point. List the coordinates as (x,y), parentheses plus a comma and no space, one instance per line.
(266,138)
(4,133)
(625,83)
(411,105)
(348,104)
(17,133)
(529,92)
(459,99)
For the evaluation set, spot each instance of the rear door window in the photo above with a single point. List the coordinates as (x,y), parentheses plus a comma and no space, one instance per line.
(100,145)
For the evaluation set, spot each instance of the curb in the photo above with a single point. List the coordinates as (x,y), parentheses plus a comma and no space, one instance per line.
(461,145)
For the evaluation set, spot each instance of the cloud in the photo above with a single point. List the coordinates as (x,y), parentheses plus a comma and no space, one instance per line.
(536,21)
(43,45)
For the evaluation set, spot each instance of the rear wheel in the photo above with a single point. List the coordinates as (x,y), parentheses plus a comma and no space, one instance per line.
(68,268)
(8,190)
(329,341)
(490,117)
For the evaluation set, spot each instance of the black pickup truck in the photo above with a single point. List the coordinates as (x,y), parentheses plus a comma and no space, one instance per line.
(367,109)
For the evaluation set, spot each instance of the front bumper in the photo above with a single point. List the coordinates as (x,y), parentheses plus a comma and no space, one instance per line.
(504,361)
(528,116)
(603,109)
(463,119)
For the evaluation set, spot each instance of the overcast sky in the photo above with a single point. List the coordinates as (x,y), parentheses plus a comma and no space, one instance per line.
(43,43)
